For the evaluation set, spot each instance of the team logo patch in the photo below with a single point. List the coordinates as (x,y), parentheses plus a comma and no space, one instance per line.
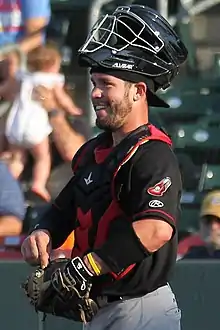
(160,188)
(156,203)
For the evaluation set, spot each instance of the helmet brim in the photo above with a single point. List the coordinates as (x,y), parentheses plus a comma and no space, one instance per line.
(155,101)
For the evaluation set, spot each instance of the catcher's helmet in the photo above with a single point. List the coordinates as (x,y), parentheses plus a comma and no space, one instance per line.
(137,40)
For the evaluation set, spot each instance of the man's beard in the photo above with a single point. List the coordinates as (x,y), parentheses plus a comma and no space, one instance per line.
(116,117)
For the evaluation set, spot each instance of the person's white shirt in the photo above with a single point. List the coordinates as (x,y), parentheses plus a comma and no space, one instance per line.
(27,123)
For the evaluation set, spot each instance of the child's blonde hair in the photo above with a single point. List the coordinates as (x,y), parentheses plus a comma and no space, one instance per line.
(43,57)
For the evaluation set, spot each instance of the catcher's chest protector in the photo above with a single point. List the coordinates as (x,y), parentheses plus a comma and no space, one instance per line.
(97,186)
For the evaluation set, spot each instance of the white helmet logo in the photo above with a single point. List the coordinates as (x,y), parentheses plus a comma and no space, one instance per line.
(123,66)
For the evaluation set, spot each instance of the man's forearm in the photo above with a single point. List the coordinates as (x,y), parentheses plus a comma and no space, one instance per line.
(66,139)
(58,223)
(34,30)
(30,42)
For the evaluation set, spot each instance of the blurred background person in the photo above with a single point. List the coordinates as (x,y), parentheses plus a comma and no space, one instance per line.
(23,27)
(206,244)
(23,22)
(27,125)
(12,207)
(67,137)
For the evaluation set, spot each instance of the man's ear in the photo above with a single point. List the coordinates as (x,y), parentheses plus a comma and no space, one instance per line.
(140,91)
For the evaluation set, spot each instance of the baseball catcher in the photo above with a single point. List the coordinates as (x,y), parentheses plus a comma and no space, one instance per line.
(123,198)
(62,289)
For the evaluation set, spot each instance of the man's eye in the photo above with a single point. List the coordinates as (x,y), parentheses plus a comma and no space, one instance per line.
(108,84)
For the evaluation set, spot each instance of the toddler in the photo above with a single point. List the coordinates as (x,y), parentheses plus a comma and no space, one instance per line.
(27,125)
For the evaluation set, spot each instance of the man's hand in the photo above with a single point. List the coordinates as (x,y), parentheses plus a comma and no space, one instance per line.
(55,98)
(74,275)
(37,247)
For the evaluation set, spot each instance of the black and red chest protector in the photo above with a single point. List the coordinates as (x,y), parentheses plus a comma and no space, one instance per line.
(94,185)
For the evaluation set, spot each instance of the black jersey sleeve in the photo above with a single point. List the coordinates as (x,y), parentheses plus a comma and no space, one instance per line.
(154,185)
(60,218)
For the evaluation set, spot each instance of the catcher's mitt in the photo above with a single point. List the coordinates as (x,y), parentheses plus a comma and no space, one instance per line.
(58,291)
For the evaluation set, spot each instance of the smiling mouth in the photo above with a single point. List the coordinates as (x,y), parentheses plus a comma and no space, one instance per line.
(100,107)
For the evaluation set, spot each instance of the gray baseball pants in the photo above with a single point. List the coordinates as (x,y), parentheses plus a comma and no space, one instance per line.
(157,310)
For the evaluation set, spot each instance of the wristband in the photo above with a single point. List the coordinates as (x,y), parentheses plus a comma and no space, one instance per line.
(93,264)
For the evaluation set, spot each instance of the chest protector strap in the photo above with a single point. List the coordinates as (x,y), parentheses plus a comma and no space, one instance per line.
(122,153)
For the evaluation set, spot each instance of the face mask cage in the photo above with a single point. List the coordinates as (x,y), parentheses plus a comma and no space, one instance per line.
(120,32)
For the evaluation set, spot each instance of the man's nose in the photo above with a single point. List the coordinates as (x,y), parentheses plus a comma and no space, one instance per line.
(96,93)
